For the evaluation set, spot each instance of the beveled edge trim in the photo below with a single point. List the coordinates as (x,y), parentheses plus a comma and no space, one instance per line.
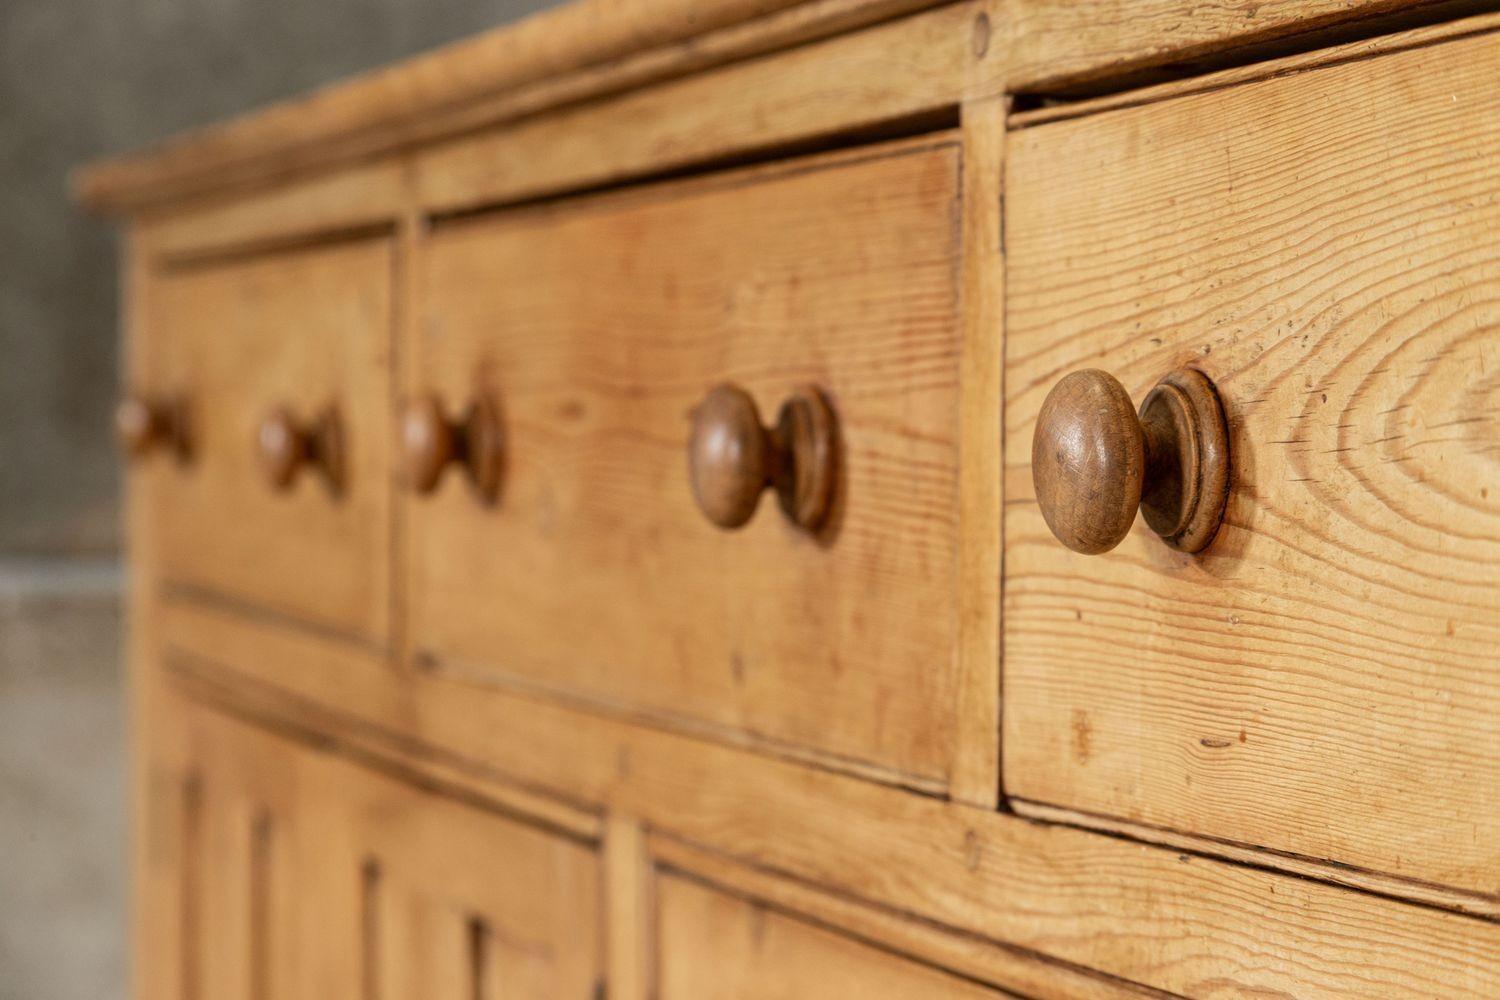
(1336,55)
(205,683)
(589,49)
(952,950)
(1005,877)
(1395,887)
(581,50)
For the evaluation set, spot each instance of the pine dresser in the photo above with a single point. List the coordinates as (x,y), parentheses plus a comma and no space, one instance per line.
(644,503)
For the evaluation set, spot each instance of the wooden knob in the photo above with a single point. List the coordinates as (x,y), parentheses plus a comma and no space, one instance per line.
(431,442)
(1095,460)
(732,457)
(143,423)
(286,447)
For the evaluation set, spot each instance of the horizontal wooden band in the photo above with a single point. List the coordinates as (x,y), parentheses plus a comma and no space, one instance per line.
(592,48)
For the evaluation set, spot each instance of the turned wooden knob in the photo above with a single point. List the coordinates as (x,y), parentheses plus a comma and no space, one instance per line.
(286,447)
(431,442)
(143,423)
(732,457)
(1095,460)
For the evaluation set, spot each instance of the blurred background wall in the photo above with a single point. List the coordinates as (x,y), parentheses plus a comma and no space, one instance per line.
(81,79)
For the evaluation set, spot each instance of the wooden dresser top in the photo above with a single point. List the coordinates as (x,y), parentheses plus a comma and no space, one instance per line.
(591,48)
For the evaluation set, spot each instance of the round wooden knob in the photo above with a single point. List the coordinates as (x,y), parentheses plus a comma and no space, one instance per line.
(431,442)
(1095,460)
(286,447)
(732,457)
(143,423)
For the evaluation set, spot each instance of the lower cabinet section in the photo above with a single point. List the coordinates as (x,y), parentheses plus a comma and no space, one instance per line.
(279,867)
(277,871)
(717,946)
(563,855)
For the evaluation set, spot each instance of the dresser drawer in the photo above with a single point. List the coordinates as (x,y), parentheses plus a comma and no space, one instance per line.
(716,946)
(594,331)
(243,349)
(1323,678)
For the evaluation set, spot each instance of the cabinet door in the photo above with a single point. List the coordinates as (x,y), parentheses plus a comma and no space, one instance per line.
(459,904)
(303,332)
(301,875)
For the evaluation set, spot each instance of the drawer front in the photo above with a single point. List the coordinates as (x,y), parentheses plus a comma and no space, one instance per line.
(1323,679)
(308,333)
(716,946)
(595,328)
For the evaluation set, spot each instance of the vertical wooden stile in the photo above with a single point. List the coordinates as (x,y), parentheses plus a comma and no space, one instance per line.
(627,910)
(976,759)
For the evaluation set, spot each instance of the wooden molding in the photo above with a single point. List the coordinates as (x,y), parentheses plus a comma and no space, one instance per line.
(1334,55)
(1013,969)
(581,50)
(1002,877)
(593,48)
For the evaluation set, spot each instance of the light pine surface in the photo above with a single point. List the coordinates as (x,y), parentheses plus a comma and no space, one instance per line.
(630,909)
(563,55)
(1174,920)
(596,327)
(1009,969)
(384,720)
(976,773)
(714,946)
(300,875)
(1065,46)
(366,198)
(1322,680)
(236,337)
(914,67)
(1236,74)
(594,48)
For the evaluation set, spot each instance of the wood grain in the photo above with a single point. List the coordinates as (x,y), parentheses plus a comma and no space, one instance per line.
(1067,46)
(1321,681)
(715,946)
(360,197)
(1095,461)
(601,324)
(1171,920)
(1261,69)
(319,879)
(913,69)
(630,910)
(196,636)
(160,788)
(305,330)
(1361,879)
(733,457)
(1088,460)
(1014,970)
(619,744)
(976,769)
(588,50)
(578,51)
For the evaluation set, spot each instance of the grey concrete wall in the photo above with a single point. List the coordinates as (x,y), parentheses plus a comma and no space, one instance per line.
(79,79)
(61,853)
